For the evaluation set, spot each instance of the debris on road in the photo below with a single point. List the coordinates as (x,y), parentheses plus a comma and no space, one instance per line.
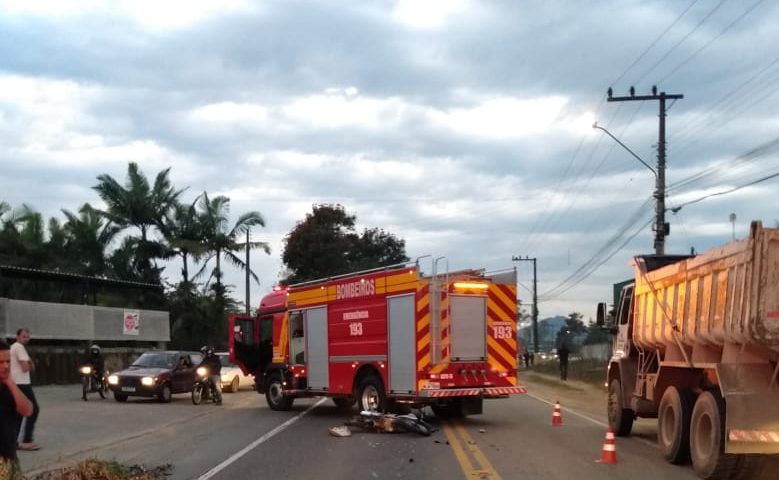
(342,431)
(391,423)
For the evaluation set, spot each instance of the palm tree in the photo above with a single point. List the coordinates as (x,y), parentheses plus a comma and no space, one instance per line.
(140,205)
(22,237)
(220,240)
(184,235)
(87,238)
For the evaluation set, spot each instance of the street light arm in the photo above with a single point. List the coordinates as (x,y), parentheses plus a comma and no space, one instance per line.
(595,125)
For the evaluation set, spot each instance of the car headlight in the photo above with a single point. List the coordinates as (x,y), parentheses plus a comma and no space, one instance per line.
(113,380)
(86,369)
(225,377)
(148,381)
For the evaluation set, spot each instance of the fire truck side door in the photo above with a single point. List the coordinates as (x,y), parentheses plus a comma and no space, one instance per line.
(402,350)
(316,348)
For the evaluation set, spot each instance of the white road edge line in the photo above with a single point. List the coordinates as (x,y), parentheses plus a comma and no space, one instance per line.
(259,441)
(588,418)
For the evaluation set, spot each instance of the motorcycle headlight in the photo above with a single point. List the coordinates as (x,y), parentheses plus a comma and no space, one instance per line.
(86,369)
(113,379)
(202,371)
(148,381)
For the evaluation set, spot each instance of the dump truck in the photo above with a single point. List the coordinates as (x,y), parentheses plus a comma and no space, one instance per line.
(385,338)
(696,346)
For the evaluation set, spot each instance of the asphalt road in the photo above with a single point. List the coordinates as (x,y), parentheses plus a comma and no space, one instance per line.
(243,438)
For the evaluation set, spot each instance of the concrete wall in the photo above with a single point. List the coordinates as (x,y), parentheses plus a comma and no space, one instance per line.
(59,321)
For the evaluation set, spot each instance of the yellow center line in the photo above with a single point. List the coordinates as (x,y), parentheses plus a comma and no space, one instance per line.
(465,449)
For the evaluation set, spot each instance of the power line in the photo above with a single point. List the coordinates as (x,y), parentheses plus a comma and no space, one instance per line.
(725,192)
(651,45)
(683,39)
(705,45)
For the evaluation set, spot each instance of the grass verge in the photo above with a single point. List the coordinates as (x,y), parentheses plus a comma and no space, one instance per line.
(93,469)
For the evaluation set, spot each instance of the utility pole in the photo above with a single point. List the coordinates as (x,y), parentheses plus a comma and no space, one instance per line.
(661,228)
(534,327)
(248,301)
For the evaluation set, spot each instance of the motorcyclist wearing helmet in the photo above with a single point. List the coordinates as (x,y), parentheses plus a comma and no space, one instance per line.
(95,359)
(214,365)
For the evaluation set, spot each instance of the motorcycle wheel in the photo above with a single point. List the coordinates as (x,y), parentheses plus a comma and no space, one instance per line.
(101,389)
(85,388)
(197,394)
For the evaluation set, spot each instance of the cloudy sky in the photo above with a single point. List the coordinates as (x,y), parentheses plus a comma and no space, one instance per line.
(463,127)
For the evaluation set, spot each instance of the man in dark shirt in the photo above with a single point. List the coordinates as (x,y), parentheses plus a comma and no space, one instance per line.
(562,354)
(12,403)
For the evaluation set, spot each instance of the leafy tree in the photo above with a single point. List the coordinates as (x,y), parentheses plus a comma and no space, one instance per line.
(375,248)
(325,244)
(571,332)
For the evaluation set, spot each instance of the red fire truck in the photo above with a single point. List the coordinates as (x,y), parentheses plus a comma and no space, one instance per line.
(384,337)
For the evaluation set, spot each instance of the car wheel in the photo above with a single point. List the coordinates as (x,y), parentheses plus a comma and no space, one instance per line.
(165,394)
(234,385)
(274,394)
(120,397)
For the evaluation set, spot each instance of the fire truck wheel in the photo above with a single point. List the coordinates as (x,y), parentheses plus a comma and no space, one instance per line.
(673,425)
(343,403)
(707,438)
(620,419)
(274,394)
(371,394)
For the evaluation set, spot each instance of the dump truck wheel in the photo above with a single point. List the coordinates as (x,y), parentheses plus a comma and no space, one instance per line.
(707,438)
(673,425)
(620,419)
(274,394)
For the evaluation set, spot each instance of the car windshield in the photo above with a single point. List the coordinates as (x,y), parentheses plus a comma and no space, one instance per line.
(225,360)
(155,360)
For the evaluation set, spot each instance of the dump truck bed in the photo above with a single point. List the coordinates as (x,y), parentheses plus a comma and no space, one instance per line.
(728,295)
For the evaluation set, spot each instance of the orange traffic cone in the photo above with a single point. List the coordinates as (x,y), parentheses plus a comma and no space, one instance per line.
(557,417)
(609,452)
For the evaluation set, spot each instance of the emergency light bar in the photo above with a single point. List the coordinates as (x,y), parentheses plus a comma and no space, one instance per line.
(470,286)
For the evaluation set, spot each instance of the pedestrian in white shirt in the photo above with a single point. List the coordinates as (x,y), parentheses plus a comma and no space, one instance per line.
(21,366)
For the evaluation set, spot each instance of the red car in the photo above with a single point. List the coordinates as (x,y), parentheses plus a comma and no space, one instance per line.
(156,374)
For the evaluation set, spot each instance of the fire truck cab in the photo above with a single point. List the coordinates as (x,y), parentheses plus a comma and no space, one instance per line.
(384,337)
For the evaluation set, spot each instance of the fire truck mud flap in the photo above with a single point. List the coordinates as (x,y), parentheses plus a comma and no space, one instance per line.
(752,409)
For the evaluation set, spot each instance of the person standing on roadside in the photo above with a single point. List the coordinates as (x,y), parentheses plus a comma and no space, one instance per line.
(13,403)
(21,366)
(562,353)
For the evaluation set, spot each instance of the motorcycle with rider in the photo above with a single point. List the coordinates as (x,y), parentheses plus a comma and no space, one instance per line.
(93,373)
(208,378)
